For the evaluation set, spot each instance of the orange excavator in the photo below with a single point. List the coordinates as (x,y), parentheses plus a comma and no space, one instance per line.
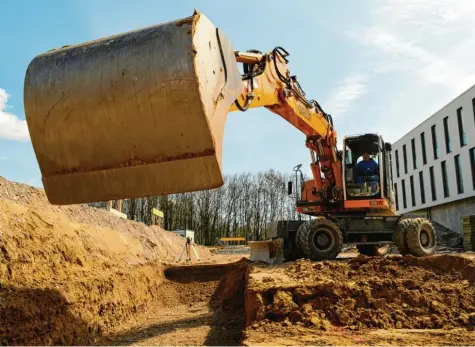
(142,113)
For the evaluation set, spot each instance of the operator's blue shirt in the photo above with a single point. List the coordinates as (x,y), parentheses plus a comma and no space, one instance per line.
(362,166)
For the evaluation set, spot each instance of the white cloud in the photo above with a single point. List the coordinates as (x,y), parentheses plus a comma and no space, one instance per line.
(3,158)
(429,18)
(347,91)
(398,53)
(419,55)
(435,38)
(11,127)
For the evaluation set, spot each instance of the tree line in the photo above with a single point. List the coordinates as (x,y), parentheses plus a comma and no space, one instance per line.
(242,207)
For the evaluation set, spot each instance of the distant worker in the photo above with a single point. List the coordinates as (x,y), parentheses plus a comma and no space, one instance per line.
(366,167)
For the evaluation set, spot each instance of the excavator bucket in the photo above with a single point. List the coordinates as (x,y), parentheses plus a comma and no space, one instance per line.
(137,114)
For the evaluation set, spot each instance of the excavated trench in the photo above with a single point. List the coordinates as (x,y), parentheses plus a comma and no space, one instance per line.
(249,304)
(244,304)
(199,305)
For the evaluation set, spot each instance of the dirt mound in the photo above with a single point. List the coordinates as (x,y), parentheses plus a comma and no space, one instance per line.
(69,273)
(115,232)
(76,312)
(19,192)
(396,292)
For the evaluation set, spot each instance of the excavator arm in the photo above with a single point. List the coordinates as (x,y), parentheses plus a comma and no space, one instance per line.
(268,83)
(143,113)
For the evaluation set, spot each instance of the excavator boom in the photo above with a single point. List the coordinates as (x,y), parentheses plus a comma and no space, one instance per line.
(143,113)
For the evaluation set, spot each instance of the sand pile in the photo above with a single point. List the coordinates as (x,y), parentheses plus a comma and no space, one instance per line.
(69,273)
(396,292)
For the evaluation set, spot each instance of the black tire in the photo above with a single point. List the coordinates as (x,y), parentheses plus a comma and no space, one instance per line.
(295,252)
(399,237)
(320,239)
(297,241)
(298,235)
(369,250)
(421,238)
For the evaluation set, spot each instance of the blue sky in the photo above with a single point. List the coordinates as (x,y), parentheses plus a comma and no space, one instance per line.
(376,66)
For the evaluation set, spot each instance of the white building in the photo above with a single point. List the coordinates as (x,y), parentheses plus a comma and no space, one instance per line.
(185,233)
(434,164)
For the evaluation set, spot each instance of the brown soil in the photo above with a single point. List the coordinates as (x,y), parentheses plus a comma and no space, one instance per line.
(69,274)
(77,275)
(343,300)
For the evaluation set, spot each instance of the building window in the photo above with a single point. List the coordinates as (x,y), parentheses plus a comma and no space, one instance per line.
(462,136)
(432,184)
(404,203)
(396,197)
(413,195)
(435,148)
(448,146)
(423,147)
(472,165)
(404,155)
(397,163)
(473,108)
(445,182)
(458,174)
(421,185)
(414,158)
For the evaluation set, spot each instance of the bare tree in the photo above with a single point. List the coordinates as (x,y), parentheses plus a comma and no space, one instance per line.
(242,207)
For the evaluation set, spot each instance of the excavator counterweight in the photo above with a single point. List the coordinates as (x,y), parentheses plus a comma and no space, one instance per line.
(136,114)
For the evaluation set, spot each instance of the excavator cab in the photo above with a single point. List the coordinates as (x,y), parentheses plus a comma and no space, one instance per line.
(370,178)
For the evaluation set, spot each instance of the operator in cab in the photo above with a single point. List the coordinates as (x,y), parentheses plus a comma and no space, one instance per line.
(366,167)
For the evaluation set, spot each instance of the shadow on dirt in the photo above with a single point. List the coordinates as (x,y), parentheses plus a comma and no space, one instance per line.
(224,317)
(196,273)
(227,305)
(40,317)
(134,336)
(45,317)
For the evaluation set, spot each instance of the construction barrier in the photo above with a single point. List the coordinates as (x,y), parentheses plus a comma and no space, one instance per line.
(468,223)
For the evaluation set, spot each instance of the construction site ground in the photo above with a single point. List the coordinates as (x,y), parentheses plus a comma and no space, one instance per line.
(80,275)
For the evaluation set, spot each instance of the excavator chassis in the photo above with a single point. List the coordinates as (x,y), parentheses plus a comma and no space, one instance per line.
(299,238)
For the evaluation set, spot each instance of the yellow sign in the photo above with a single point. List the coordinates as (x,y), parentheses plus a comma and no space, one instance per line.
(157,212)
(227,239)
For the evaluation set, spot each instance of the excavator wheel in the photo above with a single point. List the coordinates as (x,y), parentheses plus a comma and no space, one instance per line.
(399,236)
(297,251)
(420,237)
(320,239)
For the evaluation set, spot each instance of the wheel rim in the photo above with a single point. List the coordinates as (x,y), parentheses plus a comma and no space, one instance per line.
(323,239)
(426,239)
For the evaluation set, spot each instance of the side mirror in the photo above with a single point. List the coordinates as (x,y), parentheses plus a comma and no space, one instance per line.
(388,147)
(289,188)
